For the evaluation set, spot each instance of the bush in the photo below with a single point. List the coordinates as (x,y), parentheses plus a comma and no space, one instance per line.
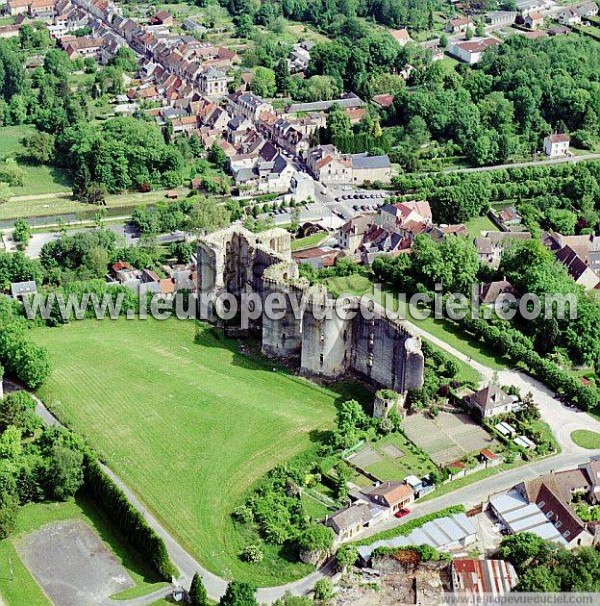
(128,519)
(323,590)
(252,554)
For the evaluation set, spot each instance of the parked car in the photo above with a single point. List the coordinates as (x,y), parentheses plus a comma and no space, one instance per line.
(401,513)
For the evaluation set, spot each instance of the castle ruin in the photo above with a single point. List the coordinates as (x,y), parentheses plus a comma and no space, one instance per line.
(362,341)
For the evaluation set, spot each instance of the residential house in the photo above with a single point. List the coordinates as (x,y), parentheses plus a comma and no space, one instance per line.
(329,166)
(401,36)
(352,233)
(406,217)
(476,580)
(162,18)
(508,217)
(551,495)
(471,51)
(213,82)
(82,47)
(247,105)
(557,145)
(497,292)
(371,169)
(20,290)
(491,401)
(577,268)
(299,57)
(533,20)
(440,232)
(568,16)
(9,31)
(587,10)
(491,244)
(42,9)
(349,522)
(17,7)
(383,101)
(459,24)
(392,495)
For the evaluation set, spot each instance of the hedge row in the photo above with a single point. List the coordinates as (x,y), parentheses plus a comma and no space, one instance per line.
(128,520)
(518,347)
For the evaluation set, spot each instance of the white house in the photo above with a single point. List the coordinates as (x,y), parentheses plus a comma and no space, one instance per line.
(557,145)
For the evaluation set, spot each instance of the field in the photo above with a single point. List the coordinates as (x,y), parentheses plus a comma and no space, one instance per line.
(18,587)
(448,436)
(55,205)
(478,224)
(188,423)
(38,179)
(393,458)
(309,241)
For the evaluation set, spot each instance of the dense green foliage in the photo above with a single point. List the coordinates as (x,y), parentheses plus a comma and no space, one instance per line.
(23,359)
(544,567)
(128,519)
(35,464)
(521,91)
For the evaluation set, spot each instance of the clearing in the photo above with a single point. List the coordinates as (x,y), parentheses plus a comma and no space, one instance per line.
(39,179)
(87,527)
(189,423)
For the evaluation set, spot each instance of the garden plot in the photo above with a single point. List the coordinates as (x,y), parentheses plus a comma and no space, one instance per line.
(448,436)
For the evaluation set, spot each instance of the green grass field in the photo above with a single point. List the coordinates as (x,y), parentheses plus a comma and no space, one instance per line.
(309,241)
(22,589)
(38,179)
(478,224)
(188,424)
(586,439)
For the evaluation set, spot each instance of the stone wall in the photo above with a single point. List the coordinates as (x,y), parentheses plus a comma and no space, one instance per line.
(361,342)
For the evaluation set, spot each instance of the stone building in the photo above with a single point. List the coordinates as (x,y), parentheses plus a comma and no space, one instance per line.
(327,339)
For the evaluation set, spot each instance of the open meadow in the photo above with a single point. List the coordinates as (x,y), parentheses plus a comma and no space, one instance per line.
(188,422)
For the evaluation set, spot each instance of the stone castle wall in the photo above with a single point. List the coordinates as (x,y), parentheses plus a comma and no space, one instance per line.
(385,352)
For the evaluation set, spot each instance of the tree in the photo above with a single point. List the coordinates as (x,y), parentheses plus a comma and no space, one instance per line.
(39,146)
(346,556)
(239,593)
(17,409)
(323,590)
(315,543)
(263,83)
(524,550)
(22,231)
(182,251)
(66,474)
(197,593)
(9,507)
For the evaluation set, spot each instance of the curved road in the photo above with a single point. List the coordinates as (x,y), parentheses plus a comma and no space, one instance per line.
(561,419)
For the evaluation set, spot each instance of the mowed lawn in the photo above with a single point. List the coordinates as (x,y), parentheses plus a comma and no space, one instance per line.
(189,424)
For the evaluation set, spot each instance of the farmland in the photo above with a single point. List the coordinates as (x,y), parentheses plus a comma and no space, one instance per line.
(189,423)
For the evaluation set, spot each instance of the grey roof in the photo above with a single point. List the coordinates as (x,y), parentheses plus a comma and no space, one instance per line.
(23,288)
(346,101)
(441,534)
(244,174)
(370,162)
(356,514)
